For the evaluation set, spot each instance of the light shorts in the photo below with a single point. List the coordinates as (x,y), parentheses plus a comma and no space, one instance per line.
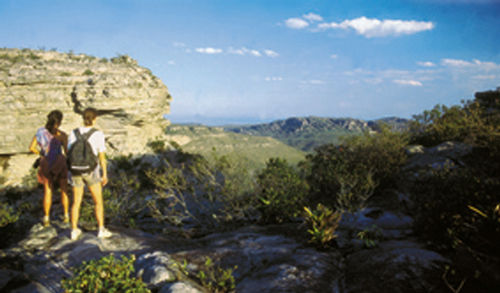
(87,178)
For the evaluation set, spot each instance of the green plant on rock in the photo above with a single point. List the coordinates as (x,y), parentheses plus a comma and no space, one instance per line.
(370,236)
(281,191)
(157,145)
(7,215)
(88,72)
(322,223)
(215,278)
(107,274)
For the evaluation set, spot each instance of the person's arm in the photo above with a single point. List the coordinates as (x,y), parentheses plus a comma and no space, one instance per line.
(102,161)
(64,142)
(34,146)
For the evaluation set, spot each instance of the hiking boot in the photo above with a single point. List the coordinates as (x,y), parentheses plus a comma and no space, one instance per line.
(75,233)
(104,233)
(46,221)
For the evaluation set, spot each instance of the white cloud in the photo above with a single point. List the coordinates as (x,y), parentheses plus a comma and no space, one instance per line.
(372,27)
(426,64)
(334,56)
(484,77)
(273,78)
(171,62)
(296,23)
(208,50)
(313,82)
(408,82)
(312,17)
(236,51)
(255,53)
(474,64)
(245,51)
(271,53)
(179,44)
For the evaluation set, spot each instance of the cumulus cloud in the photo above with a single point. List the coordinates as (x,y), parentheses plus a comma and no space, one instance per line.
(408,82)
(372,27)
(271,53)
(296,23)
(208,50)
(312,17)
(426,64)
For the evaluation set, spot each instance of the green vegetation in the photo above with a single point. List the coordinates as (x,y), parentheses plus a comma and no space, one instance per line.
(107,274)
(88,72)
(253,151)
(7,215)
(457,207)
(322,223)
(370,236)
(281,191)
(345,176)
(215,278)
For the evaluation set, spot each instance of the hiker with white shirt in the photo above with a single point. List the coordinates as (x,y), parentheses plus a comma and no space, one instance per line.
(86,160)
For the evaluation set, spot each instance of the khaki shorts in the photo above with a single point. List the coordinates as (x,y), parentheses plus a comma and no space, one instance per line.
(87,178)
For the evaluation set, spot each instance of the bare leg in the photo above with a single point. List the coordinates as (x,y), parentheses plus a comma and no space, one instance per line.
(64,196)
(75,209)
(47,198)
(96,191)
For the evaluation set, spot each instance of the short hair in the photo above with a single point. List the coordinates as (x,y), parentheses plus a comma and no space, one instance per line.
(89,115)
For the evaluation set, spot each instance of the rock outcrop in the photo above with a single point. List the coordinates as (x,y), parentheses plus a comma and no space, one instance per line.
(131,101)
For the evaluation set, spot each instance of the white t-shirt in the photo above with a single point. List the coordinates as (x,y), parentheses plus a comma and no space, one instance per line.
(96,140)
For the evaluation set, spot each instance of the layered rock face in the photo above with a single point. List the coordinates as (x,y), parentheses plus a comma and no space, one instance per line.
(131,101)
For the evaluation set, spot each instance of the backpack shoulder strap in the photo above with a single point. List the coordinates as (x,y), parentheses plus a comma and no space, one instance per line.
(88,134)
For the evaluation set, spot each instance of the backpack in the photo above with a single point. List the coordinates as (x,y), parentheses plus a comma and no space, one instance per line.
(81,158)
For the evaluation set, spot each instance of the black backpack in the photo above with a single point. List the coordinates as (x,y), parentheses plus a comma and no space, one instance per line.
(81,158)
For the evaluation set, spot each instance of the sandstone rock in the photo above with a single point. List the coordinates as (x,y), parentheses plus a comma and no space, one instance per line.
(130,99)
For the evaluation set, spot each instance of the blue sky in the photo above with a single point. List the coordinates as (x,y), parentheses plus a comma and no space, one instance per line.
(231,61)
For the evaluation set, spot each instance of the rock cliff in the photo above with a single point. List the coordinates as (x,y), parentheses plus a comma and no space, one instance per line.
(131,101)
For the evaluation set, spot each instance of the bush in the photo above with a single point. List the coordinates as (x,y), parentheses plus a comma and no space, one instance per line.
(105,275)
(281,191)
(345,176)
(457,208)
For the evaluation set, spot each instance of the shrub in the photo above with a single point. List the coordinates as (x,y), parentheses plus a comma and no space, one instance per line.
(105,275)
(345,176)
(322,223)
(215,278)
(281,191)
(7,215)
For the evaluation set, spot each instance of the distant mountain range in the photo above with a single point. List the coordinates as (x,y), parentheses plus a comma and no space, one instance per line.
(307,133)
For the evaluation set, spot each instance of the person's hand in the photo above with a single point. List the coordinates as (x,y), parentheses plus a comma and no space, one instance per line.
(104,180)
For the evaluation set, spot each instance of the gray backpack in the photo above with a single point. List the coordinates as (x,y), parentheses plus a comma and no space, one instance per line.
(81,158)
